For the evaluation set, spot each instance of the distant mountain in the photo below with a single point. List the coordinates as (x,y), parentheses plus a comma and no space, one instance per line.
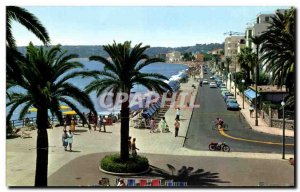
(85,51)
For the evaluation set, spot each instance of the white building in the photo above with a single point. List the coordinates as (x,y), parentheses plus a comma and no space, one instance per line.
(232,46)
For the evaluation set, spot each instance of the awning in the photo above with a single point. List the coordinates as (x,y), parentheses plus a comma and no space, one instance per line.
(250,94)
(70,112)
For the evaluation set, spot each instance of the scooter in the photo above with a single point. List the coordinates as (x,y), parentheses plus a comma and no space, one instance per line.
(214,146)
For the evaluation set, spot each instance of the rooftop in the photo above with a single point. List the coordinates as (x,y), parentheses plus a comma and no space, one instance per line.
(269,89)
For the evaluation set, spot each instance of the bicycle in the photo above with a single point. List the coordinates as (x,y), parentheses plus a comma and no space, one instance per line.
(215,126)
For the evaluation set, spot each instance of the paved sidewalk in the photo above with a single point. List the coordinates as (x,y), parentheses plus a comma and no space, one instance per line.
(262,125)
(161,148)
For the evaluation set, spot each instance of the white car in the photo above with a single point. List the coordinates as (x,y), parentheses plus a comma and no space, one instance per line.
(213,85)
(205,81)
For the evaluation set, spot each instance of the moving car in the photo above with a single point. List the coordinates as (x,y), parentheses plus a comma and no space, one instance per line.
(232,105)
(213,85)
(205,81)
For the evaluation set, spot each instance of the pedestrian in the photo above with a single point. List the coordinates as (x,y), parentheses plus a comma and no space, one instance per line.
(178,113)
(95,121)
(251,109)
(152,125)
(103,123)
(65,139)
(164,126)
(65,124)
(99,122)
(177,125)
(134,148)
(72,128)
(129,144)
(83,120)
(70,139)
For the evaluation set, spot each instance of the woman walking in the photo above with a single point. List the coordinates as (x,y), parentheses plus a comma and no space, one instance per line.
(134,148)
(70,139)
(177,125)
(164,126)
(152,125)
(65,139)
(72,128)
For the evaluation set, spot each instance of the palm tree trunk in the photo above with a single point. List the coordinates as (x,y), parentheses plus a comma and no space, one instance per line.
(125,130)
(41,171)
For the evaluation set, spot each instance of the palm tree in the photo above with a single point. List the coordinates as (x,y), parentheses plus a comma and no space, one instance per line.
(247,60)
(121,74)
(216,59)
(45,83)
(278,50)
(28,20)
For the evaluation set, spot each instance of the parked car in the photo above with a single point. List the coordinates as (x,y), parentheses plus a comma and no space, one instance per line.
(228,94)
(205,81)
(213,85)
(231,101)
(212,77)
(232,105)
(226,97)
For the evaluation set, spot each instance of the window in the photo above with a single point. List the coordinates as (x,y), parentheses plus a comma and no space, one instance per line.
(267,19)
(249,33)
(257,20)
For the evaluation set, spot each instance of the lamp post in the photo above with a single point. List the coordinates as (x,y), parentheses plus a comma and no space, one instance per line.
(235,80)
(230,82)
(283,130)
(243,81)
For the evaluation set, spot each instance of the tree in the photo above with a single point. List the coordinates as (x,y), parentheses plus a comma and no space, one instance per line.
(278,50)
(44,78)
(216,59)
(28,20)
(247,60)
(120,75)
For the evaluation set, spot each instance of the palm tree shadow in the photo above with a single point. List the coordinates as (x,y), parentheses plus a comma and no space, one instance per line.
(199,177)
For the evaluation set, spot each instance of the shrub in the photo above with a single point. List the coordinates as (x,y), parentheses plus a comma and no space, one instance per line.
(113,163)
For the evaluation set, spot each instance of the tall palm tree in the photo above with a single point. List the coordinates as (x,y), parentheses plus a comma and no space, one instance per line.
(121,74)
(45,84)
(228,62)
(247,60)
(28,20)
(278,49)
(14,58)
(216,59)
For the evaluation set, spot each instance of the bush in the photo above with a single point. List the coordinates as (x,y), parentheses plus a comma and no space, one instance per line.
(113,163)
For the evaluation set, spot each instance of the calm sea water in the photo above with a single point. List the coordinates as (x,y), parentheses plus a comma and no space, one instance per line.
(162,68)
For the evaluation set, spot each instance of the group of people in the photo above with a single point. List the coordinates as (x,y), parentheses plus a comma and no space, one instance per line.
(67,139)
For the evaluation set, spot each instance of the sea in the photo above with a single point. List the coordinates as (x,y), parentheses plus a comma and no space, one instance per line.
(165,69)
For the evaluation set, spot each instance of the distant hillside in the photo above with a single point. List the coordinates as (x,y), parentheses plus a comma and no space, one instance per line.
(85,51)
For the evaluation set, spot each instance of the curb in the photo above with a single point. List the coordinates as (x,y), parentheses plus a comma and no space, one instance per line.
(125,174)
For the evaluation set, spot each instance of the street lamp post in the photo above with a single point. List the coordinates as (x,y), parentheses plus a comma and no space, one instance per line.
(235,80)
(243,81)
(283,130)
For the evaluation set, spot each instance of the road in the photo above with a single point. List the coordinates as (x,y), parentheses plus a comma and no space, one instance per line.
(239,137)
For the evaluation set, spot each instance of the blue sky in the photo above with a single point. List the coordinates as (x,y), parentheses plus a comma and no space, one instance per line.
(153,25)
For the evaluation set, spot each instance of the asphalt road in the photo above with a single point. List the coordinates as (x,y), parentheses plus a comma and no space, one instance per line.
(212,105)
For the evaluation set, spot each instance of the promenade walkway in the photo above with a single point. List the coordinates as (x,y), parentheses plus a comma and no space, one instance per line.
(80,166)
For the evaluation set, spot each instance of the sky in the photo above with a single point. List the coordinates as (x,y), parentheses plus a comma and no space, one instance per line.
(163,26)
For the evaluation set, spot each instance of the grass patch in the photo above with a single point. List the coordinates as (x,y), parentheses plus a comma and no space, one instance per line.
(113,163)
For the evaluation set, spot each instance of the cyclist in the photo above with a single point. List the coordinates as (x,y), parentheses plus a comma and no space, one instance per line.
(219,123)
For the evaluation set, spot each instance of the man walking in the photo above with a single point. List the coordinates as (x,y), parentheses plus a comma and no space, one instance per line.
(177,125)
